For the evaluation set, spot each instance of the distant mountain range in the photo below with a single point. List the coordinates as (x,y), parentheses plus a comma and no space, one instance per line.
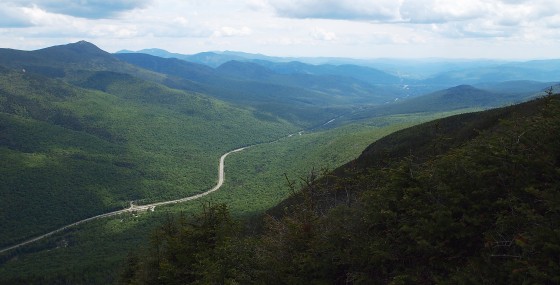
(275,87)
(300,92)
(431,69)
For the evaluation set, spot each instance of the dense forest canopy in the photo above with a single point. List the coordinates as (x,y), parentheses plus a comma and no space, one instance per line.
(479,208)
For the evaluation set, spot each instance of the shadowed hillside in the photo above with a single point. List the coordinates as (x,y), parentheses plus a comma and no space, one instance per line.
(469,199)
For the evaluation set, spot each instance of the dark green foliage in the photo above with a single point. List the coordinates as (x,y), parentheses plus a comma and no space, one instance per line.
(50,170)
(485,211)
(435,137)
(201,250)
(476,202)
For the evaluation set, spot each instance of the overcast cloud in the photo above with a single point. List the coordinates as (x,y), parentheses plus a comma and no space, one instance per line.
(381,10)
(93,9)
(13,17)
(350,28)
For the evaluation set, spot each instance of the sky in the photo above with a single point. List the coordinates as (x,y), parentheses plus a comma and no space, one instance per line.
(489,29)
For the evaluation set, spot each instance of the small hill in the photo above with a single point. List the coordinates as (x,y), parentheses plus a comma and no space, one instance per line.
(213,59)
(455,98)
(527,87)
(544,70)
(458,97)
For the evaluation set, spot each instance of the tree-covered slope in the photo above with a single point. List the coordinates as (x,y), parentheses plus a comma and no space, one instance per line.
(470,199)
(298,105)
(68,153)
(467,199)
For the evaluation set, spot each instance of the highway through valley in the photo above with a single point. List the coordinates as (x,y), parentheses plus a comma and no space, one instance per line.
(136,208)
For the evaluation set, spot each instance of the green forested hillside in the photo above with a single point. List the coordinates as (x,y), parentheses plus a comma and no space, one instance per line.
(258,178)
(69,153)
(303,106)
(82,133)
(476,202)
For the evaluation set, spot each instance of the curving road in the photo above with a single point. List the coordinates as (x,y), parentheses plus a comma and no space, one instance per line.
(151,207)
(135,208)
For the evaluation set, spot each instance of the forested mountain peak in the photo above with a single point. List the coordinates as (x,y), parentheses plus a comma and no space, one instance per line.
(70,62)
(78,49)
(462,87)
(56,60)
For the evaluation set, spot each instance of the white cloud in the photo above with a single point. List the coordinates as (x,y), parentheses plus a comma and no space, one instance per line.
(508,12)
(52,25)
(553,23)
(40,17)
(362,28)
(282,42)
(257,4)
(440,11)
(479,29)
(182,21)
(323,35)
(114,31)
(232,32)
